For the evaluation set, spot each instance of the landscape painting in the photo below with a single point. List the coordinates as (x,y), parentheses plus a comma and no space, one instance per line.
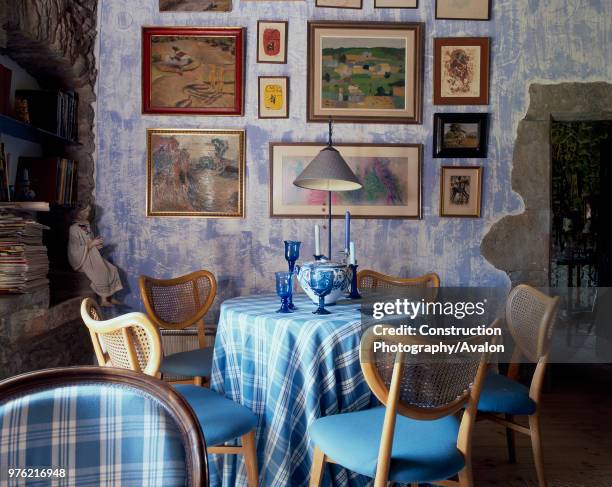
(195,173)
(460,134)
(364,72)
(193,71)
(390,175)
(195,5)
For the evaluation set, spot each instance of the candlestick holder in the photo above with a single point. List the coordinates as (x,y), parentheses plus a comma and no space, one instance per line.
(354,294)
(318,257)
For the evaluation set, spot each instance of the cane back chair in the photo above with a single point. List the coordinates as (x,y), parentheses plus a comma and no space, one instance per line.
(175,305)
(530,318)
(415,437)
(221,419)
(368,279)
(98,426)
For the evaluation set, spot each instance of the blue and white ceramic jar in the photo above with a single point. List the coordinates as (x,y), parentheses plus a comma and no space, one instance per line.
(342,279)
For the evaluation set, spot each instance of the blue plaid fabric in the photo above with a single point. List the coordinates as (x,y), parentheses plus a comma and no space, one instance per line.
(289,369)
(102,435)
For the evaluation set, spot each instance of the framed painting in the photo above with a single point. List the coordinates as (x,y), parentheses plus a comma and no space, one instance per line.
(272,41)
(461,71)
(273,97)
(463,9)
(390,174)
(460,134)
(193,70)
(195,5)
(396,3)
(195,173)
(365,72)
(357,4)
(461,191)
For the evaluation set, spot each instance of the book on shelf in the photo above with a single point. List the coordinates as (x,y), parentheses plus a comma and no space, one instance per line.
(5,89)
(53,111)
(51,179)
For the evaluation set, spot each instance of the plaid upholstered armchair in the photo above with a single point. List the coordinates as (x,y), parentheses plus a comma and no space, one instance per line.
(91,426)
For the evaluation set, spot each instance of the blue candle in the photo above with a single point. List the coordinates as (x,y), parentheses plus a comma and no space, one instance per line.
(347,229)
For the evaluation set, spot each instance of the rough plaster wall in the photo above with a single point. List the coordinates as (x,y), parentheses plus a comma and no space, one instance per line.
(532,40)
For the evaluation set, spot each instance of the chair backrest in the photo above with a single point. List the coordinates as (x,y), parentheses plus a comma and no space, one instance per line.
(368,279)
(129,341)
(180,302)
(421,386)
(101,426)
(530,317)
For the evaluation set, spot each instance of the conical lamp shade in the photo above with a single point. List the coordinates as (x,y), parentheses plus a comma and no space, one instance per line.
(328,172)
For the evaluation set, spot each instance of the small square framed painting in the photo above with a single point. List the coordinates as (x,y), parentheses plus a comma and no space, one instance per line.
(357,4)
(195,173)
(365,72)
(273,97)
(461,191)
(272,41)
(195,5)
(461,71)
(460,134)
(396,3)
(463,9)
(390,174)
(193,70)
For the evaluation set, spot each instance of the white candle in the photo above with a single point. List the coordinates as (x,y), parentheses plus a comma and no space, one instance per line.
(317,248)
(352,253)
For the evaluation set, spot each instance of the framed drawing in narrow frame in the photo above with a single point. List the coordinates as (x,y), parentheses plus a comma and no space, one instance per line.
(272,41)
(273,97)
(391,175)
(463,9)
(461,191)
(460,135)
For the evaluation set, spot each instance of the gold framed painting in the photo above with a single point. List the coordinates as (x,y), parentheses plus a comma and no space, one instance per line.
(272,41)
(463,9)
(461,71)
(196,172)
(461,191)
(273,99)
(365,72)
(390,174)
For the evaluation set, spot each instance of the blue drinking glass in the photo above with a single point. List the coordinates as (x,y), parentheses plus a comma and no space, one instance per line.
(321,283)
(292,253)
(283,289)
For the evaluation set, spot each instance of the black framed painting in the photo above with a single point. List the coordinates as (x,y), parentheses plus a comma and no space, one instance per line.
(460,135)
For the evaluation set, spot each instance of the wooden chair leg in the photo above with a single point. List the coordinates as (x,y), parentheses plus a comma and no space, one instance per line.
(465,477)
(510,440)
(318,468)
(197,380)
(536,446)
(249,447)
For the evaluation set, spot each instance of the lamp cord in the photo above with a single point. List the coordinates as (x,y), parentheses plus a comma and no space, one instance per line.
(329,141)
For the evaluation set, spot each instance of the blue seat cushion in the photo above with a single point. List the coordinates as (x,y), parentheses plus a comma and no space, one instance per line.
(423,451)
(221,419)
(503,395)
(190,364)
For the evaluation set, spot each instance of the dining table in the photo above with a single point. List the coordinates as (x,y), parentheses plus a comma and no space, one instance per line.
(289,369)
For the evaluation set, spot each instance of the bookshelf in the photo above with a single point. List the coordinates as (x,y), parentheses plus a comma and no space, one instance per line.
(24,131)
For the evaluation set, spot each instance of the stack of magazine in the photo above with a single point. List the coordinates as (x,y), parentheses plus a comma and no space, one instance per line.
(24,264)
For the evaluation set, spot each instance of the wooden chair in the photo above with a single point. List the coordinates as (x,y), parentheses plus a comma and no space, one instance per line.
(178,304)
(132,342)
(368,279)
(415,436)
(530,317)
(62,418)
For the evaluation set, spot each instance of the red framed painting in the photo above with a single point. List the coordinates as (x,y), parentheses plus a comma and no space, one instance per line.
(193,70)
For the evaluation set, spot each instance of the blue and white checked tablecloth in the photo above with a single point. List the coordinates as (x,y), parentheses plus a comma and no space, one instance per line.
(289,369)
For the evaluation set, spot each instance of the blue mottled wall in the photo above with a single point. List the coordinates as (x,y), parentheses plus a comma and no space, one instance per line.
(532,41)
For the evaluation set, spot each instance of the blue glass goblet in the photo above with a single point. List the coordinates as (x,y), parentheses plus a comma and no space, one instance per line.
(283,289)
(292,253)
(321,283)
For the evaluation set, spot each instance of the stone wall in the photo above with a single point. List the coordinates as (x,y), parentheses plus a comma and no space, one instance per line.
(520,244)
